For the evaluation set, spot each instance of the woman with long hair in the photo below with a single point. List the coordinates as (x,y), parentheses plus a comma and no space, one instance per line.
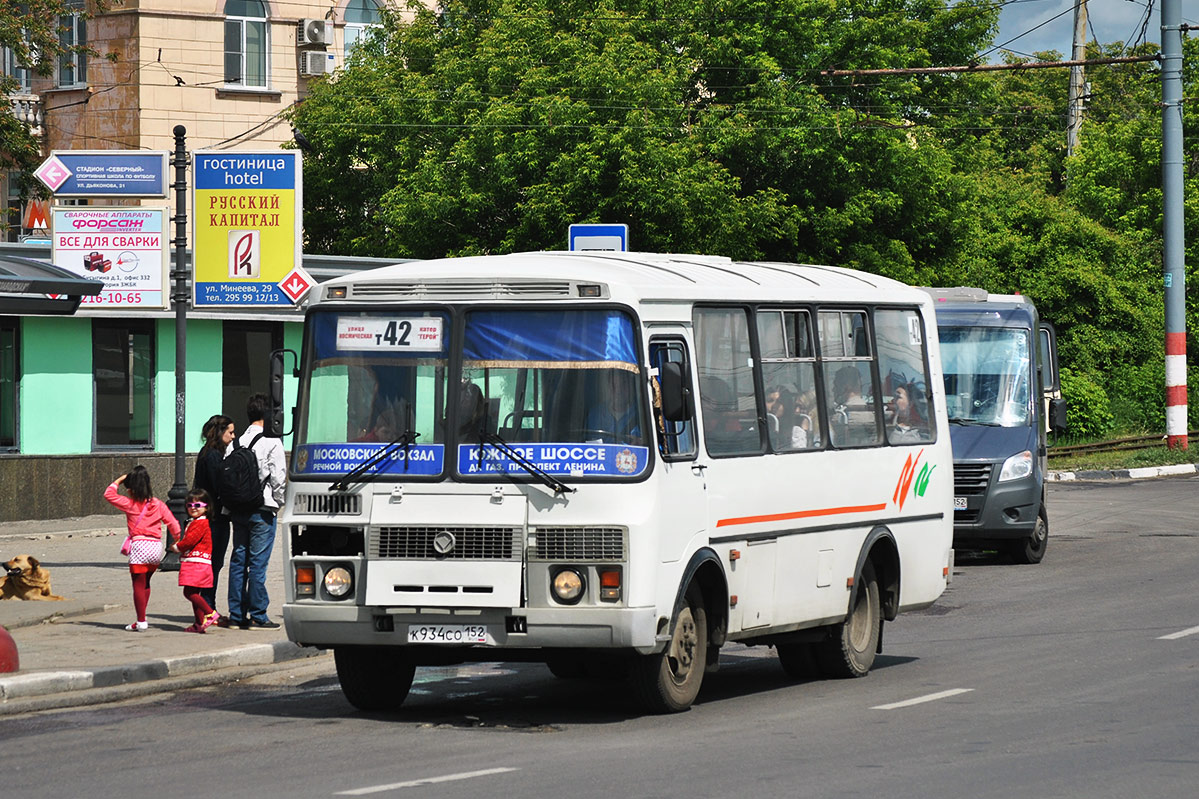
(217,435)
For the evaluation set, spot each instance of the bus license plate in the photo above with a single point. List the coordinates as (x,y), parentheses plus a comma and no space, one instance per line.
(448,634)
(959,503)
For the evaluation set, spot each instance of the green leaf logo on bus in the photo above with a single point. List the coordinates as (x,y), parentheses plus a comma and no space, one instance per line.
(909,478)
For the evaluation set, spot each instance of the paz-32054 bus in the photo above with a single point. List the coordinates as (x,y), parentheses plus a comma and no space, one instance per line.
(613,462)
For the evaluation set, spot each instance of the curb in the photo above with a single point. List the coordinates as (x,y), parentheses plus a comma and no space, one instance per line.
(1124,474)
(40,684)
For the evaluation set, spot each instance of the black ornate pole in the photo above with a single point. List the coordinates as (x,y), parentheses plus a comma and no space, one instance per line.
(178,494)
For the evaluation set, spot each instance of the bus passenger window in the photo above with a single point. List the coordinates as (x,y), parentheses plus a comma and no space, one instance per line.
(727,392)
(850,393)
(788,373)
(907,403)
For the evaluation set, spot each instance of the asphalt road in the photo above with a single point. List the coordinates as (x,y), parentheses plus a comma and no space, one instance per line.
(1075,678)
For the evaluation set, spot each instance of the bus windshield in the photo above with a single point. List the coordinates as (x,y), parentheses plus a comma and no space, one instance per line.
(987,375)
(374,378)
(559,392)
(564,388)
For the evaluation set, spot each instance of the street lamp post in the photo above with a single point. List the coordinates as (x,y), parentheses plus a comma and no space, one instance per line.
(177,496)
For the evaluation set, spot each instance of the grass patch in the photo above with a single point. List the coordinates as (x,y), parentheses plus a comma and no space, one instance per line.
(1127,459)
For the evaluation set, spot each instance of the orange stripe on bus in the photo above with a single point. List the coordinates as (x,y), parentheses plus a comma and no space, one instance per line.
(800,514)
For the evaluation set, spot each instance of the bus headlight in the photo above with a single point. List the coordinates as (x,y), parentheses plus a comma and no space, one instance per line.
(568,586)
(338,581)
(1017,466)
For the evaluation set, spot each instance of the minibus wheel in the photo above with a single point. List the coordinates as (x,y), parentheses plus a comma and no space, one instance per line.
(374,677)
(669,681)
(1032,549)
(849,652)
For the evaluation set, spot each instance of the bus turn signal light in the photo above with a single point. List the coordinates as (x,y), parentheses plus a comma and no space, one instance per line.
(610,585)
(305,581)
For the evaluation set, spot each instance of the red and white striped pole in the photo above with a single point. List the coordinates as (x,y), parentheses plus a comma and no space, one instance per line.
(1173,255)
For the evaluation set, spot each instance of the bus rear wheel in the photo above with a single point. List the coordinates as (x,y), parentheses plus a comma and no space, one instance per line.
(374,677)
(669,681)
(850,651)
(1032,549)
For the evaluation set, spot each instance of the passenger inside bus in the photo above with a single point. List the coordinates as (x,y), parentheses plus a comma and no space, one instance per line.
(786,428)
(907,423)
(470,412)
(852,419)
(612,417)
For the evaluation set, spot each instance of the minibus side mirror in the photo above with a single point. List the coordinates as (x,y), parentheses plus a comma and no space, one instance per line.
(1057,415)
(677,402)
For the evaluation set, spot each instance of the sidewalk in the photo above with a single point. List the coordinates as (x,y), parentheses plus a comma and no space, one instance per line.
(76,651)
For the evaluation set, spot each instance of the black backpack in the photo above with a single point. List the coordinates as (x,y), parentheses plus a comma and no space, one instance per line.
(237,482)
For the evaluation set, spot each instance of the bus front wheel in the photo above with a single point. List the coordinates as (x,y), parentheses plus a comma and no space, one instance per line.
(374,677)
(850,650)
(669,681)
(1032,549)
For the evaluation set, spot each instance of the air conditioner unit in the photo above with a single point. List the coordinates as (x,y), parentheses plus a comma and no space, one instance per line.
(315,63)
(315,31)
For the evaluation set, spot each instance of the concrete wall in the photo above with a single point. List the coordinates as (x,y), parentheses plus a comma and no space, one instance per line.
(62,486)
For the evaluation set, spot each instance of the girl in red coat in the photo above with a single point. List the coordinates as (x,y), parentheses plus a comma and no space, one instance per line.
(195,559)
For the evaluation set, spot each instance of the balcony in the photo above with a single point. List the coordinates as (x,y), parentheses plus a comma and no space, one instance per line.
(28,108)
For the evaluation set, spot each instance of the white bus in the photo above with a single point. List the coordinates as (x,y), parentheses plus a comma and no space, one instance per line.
(613,463)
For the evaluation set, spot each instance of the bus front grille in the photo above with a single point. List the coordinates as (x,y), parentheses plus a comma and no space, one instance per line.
(971,479)
(579,544)
(446,543)
(329,503)
(461,289)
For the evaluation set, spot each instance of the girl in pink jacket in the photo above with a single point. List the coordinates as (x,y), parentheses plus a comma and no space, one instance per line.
(195,559)
(145,516)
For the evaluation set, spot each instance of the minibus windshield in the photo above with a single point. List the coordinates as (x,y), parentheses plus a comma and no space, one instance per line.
(987,375)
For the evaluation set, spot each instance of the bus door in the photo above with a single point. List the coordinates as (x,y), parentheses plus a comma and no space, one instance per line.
(681,480)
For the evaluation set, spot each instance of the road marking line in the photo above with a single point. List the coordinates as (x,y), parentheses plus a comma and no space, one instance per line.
(1179,634)
(922,699)
(465,775)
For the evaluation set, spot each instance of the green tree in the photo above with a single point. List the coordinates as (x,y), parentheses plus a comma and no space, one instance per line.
(29,30)
(493,124)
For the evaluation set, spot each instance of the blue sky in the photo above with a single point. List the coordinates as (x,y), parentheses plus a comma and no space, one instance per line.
(1110,21)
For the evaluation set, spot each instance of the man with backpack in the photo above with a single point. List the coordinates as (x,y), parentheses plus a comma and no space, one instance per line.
(252,478)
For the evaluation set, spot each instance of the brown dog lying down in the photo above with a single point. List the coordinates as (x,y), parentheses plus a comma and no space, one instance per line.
(25,579)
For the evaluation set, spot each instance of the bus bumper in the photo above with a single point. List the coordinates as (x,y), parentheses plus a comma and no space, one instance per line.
(1007,512)
(326,625)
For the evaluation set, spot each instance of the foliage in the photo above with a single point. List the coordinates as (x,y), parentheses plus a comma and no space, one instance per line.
(29,29)
(735,128)
(1088,413)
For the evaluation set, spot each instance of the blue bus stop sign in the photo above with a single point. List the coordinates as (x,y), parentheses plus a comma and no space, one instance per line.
(599,238)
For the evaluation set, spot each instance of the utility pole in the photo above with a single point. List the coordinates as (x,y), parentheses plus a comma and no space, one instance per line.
(1173,255)
(1077,79)
(178,493)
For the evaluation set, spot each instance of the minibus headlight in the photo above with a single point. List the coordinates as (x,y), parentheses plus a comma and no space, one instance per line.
(568,586)
(1017,466)
(338,581)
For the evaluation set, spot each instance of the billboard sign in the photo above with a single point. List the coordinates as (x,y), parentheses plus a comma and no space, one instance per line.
(105,173)
(124,248)
(248,222)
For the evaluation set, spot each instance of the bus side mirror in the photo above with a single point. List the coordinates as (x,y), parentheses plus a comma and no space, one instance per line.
(1057,415)
(677,402)
(278,372)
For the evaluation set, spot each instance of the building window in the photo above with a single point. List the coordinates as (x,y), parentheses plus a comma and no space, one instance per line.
(245,44)
(15,70)
(72,35)
(10,380)
(246,364)
(123,365)
(360,17)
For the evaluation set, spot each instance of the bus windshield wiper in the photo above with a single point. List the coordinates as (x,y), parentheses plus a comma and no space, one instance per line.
(405,440)
(967,421)
(546,479)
